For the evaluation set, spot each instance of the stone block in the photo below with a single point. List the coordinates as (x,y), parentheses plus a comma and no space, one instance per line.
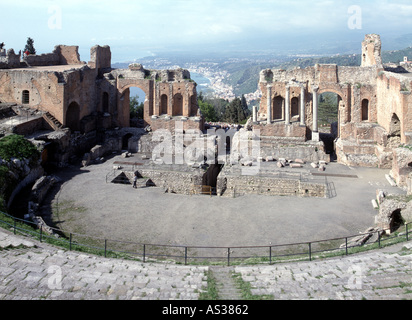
(269,158)
(299,161)
(295,165)
(280,164)
(322,167)
(314,165)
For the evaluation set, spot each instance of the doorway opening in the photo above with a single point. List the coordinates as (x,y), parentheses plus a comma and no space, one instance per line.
(396,221)
(394,137)
(278,106)
(328,111)
(125,141)
(136,102)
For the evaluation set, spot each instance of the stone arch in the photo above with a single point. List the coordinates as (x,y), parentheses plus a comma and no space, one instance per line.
(73,116)
(331,115)
(177,105)
(396,220)
(164,101)
(365,110)
(394,137)
(278,107)
(105,102)
(123,102)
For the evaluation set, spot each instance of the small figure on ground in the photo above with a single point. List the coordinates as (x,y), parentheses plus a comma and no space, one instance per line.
(135,180)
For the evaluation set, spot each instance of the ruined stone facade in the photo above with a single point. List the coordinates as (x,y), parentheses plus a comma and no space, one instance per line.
(374,113)
(89,96)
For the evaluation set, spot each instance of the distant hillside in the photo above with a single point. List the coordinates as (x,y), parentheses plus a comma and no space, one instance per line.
(246,78)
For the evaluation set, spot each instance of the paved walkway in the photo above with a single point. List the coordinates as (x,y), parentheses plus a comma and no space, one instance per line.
(34,270)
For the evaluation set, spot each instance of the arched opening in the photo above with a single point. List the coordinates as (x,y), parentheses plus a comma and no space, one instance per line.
(396,221)
(394,137)
(125,141)
(105,102)
(73,117)
(294,106)
(163,104)
(328,111)
(178,105)
(278,108)
(25,98)
(137,98)
(365,110)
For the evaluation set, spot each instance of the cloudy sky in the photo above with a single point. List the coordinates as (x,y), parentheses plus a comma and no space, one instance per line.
(140,27)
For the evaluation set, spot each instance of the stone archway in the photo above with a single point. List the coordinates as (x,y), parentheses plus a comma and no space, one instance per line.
(278,106)
(178,105)
(123,101)
(164,104)
(73,116)
(394,137)
(396,221)
(365,110)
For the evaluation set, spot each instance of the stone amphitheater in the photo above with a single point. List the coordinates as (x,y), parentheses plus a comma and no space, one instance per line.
(33,270)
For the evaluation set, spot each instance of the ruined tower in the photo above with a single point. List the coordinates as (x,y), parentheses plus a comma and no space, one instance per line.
(371,51)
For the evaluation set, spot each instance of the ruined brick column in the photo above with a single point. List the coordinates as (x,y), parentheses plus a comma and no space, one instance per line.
(287,105)
(315,133)
(269,105)
(302,106)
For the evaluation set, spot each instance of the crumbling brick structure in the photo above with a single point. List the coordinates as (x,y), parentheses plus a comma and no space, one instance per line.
(86,96)
(375,106)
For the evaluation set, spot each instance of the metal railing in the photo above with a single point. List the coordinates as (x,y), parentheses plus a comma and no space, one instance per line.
(269,254)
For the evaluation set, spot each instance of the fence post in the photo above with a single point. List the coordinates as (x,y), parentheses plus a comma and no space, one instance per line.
(105,247)
(228,257)
(144,253)
(346,245)
(270,255)
(379,239)
(185,256)
(310,251)
(407,238)
(41,233)
(70,245)
(14,225)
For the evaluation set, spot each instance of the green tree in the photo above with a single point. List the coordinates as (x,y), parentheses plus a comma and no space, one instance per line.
(235,112)
(136,108)
(328,108)
(208,111)
(30,46)
(16,146)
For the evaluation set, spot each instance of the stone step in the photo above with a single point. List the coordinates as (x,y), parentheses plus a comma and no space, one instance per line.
(226,286)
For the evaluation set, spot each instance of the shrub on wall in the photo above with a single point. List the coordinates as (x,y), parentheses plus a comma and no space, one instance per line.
(16,146)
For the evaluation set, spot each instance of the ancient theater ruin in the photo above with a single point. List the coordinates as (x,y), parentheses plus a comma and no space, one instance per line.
(79,102)
(374,108)
(77,109)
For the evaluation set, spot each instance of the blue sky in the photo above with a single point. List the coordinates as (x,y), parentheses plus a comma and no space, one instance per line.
(134,28)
